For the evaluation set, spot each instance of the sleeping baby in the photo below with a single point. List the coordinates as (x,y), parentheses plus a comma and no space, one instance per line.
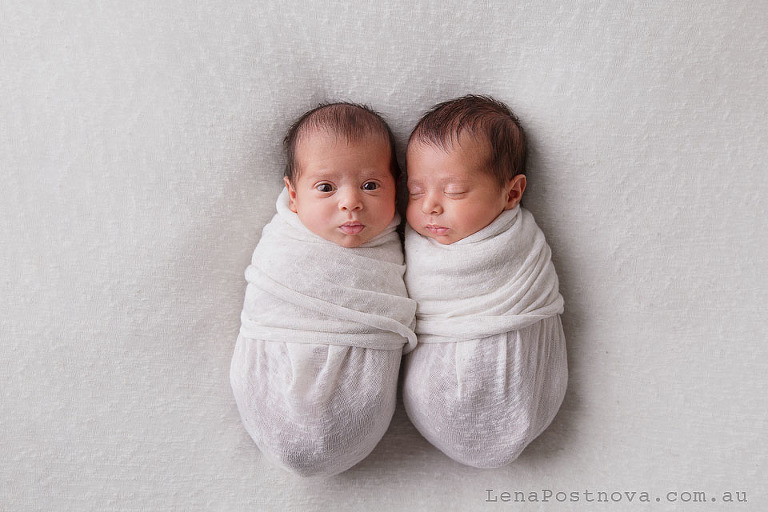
(489,372)
(326,316)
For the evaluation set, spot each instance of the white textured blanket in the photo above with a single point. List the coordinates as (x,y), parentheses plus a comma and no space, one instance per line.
(316,363)
(496,280)
(490,370)
(305,289)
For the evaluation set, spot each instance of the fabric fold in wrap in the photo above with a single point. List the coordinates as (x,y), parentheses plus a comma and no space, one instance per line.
(304,289)
(494,281)
(490,370)
(315,367)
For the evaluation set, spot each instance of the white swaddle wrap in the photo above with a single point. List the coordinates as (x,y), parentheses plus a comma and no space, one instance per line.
(490,370)
(315,367)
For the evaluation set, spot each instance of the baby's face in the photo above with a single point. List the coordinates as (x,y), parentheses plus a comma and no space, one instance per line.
(345,192)
(452,194)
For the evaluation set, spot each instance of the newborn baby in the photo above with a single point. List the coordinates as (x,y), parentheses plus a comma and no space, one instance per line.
(326,315)
(489,372)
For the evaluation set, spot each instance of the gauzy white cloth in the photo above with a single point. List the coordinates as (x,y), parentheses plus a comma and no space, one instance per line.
(323,330)
(490,370)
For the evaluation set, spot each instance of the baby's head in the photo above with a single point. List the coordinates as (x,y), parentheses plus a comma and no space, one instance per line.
(465,165)
(342,172)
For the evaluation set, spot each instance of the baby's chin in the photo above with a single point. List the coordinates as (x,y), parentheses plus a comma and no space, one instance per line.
(441,239)
(352,241)
(349,244)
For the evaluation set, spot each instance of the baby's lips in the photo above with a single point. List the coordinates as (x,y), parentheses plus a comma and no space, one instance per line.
(436,230)
(352,228)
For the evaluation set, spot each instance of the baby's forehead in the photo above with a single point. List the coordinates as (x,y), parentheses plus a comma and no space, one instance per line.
(318,136)
(453,142)
(468,160)
(463,148)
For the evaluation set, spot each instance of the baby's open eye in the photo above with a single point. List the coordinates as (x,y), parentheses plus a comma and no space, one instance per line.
(370,185)
(324,187)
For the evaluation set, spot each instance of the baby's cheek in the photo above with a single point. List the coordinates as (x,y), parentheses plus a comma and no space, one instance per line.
(410,213)
(391,209)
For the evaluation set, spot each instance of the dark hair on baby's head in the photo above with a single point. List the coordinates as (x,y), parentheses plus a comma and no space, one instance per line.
(352,121)
(483,117)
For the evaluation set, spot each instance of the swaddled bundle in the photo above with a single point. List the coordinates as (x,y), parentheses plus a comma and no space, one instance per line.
(490,369)
(316,363)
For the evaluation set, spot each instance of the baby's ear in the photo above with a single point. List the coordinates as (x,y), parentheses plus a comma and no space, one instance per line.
(514,191)
(291,194)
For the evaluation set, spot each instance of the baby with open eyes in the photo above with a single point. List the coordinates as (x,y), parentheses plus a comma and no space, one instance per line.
(489,372)
(326,316)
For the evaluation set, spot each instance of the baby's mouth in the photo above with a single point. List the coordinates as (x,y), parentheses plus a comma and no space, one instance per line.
(436,230)
(352,228)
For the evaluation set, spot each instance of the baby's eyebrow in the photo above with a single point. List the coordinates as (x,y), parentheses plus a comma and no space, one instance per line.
(456,181)
(375,172)
(462,182)
(321,175)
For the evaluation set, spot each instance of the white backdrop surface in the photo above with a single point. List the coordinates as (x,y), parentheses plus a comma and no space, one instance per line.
(140,156)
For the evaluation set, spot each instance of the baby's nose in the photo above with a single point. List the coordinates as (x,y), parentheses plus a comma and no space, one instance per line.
(350,200)
(430,205)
